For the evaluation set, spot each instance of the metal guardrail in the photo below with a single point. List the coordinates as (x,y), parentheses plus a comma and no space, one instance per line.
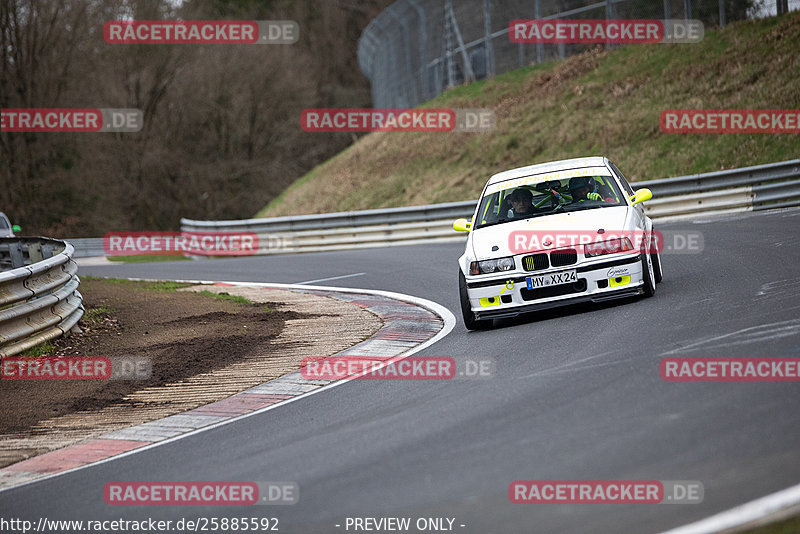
(775,185)
(39,298)
(86,247)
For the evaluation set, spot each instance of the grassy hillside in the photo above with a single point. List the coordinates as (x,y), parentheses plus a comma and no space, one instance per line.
(601,102)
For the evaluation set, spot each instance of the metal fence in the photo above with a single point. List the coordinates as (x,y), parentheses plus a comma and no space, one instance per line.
(415,49)
(762,187)
(39,298)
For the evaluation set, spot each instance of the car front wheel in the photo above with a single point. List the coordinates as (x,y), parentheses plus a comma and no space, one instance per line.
(656,259)
(466,310)
(648,275)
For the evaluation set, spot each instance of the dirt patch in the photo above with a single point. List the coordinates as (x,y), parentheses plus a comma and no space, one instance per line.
(202,349)
(135,320)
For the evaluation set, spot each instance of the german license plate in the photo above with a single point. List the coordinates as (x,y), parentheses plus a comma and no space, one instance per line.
(545,280)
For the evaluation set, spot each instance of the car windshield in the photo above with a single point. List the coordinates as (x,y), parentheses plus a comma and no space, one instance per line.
(531,197)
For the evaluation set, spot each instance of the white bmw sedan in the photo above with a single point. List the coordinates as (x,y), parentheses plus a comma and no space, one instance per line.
(555,234)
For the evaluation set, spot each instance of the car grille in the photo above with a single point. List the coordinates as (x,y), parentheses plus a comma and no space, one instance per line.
(553,291)
(535,262)
(558,258)
(567,256)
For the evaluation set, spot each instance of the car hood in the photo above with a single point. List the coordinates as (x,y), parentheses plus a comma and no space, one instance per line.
(613,219)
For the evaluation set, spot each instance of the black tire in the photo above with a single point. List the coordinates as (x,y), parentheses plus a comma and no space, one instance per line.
(648,275)
(466,310)
(656,257)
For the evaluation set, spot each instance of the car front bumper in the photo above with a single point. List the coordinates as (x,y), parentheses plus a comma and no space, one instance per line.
(597,282)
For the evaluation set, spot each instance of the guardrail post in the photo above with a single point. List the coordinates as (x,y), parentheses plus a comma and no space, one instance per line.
(15,251)
(35,252)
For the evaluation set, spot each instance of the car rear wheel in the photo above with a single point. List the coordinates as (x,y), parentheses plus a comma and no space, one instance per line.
(466,310)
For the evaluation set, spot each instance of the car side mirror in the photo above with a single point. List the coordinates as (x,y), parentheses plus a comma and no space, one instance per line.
(641,195)
(462,225)
(16,228)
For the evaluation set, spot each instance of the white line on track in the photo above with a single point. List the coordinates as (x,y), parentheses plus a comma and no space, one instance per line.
(331,278)
(745,514)
(447,316)
(753,334)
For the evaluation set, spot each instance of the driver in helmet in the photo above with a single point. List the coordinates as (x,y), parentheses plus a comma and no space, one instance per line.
(584,188)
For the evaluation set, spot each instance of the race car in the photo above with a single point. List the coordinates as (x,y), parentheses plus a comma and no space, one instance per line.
(6,228)
(555,234)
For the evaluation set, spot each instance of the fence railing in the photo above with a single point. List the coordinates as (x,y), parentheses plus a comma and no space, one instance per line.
(39,298)
(415,49)
(774,185)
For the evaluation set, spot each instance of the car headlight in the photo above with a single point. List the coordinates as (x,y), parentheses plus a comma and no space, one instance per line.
(612,246)
(505,264)
(491,266)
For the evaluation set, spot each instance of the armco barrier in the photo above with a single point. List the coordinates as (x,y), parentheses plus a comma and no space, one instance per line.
(39,298)
(87,247)
(775,185)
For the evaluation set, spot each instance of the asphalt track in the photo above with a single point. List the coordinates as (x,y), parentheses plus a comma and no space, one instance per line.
(577,396)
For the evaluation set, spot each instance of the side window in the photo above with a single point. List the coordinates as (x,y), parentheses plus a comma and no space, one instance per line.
(491,210)
(504,208)
(4,222)
(622,179)
(488,209)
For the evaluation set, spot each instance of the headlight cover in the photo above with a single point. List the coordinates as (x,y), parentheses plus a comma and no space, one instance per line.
(612,246)
(491,266)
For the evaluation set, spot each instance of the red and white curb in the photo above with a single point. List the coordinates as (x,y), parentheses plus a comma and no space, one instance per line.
(410,325)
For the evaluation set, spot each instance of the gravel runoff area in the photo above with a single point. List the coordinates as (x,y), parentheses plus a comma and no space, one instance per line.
(202,349)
